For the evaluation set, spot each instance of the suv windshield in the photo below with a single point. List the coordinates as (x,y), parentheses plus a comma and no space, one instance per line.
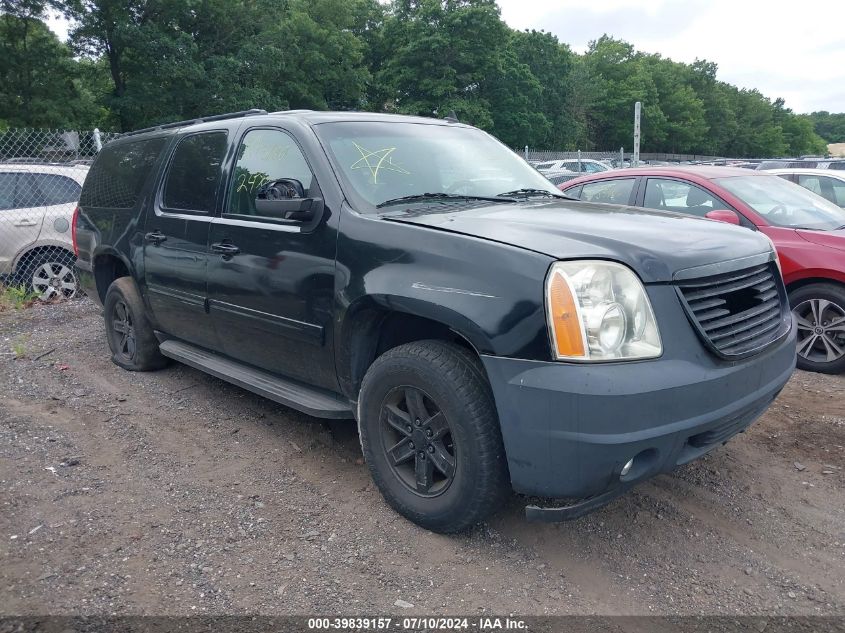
(382,161)
(783,203)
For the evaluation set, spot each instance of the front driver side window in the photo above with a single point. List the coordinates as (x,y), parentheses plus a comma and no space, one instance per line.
(680,197)
(264,157)
(616,191)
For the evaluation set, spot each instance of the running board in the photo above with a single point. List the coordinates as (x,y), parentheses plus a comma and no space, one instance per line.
(316,402)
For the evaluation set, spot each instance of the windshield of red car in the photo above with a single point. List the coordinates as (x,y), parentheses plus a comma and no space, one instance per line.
(783,203)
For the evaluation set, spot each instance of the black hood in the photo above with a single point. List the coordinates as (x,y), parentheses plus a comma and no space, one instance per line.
(654,243)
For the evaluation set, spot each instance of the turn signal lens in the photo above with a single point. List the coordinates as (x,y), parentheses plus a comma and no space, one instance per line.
(564,319)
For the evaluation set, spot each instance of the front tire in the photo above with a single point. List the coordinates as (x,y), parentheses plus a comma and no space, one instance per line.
(431,437)
(819,311)
(131,338)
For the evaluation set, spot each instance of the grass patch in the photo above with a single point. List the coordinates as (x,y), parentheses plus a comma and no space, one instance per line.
(19,348)
(16,297)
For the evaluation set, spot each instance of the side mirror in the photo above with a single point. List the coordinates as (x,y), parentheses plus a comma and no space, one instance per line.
(297,209)
(285,199)
(723,215)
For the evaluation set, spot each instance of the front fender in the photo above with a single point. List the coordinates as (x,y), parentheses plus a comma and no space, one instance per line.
(819,274)
(488,292)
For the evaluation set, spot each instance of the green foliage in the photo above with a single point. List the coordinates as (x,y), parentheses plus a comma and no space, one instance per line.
(41,85)
(134,63)
(15,297)
(830,127)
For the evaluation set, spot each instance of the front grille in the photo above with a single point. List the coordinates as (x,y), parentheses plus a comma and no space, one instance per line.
(739,312)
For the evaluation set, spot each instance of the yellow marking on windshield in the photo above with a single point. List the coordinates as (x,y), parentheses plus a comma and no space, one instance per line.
(385,161)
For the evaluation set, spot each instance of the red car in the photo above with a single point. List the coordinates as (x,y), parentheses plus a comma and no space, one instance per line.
(807,230)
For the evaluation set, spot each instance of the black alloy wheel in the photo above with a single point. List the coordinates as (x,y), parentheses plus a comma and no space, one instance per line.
(418,441)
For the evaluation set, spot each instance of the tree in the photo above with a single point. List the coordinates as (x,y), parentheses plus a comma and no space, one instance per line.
(684,112)
(513,92)
(830,127)
(552,64)
(135,63)
(41,85)
(798,131)
(623,77)
(439,55)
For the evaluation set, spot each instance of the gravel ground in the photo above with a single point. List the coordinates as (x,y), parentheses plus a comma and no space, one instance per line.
(174,493)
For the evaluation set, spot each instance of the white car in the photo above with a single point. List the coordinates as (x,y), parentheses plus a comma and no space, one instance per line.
(37,202)
(587,166)
(828,183)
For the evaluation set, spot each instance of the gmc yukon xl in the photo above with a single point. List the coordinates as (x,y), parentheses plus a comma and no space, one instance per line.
(487,333)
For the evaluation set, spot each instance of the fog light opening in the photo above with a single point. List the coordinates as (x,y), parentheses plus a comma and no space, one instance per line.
(639,465)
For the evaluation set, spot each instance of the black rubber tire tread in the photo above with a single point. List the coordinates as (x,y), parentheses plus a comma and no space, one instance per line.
(831,292)
(147,355)
(456,371)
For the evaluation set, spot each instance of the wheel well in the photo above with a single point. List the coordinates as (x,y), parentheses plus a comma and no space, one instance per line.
(800,283)
(107,268)
(31,255)
(380,331)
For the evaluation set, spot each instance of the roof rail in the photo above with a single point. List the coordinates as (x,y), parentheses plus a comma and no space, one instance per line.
(292,112)
(216,117)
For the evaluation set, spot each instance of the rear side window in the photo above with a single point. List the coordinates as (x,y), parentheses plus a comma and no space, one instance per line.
(837,165)
(18,191)
(118,175)
(57,189)
(194,174)
(832,189)
(8,185)
(609,191)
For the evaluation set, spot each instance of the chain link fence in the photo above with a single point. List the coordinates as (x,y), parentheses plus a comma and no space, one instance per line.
(41,176)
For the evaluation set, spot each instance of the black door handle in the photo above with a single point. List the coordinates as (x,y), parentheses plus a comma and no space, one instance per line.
(156,237)
(225,249)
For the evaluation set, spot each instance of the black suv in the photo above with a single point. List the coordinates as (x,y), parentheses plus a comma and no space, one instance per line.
(486,332)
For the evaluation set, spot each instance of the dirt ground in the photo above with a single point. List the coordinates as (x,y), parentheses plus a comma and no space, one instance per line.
(175,493)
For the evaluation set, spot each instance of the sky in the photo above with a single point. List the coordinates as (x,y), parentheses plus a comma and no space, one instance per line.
(794,50)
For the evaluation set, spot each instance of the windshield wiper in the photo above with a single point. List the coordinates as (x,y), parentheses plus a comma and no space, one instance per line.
(441,196)
(528,192)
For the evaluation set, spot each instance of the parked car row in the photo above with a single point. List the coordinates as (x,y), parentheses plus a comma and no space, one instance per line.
(803,163)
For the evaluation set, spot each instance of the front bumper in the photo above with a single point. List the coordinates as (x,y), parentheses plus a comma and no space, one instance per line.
(569,429)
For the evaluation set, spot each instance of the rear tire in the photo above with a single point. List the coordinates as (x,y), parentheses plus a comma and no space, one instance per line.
(819,311)
(131,338)
(431,437)
(51,275)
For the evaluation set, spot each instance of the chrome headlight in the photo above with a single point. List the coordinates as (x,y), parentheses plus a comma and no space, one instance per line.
(599,311)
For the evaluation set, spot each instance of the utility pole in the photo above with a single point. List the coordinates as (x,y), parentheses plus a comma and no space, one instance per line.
(635,161)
